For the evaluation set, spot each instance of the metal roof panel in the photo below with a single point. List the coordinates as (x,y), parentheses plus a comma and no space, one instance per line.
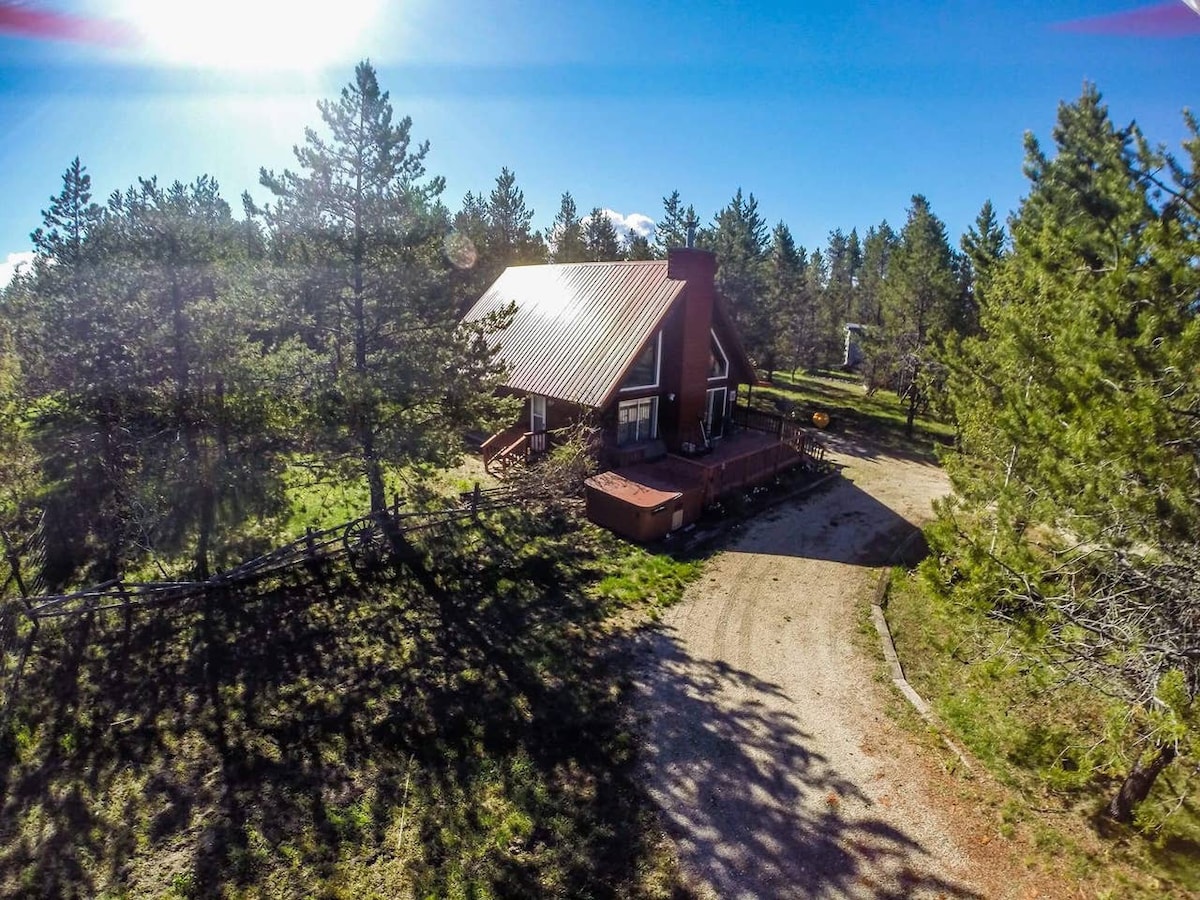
(578,326)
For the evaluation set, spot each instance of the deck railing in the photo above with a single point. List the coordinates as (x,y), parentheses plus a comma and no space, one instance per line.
(790,433)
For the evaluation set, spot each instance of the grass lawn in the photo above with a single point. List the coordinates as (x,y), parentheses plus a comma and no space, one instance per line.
(318,496)
(879,418)
(453,728)
(1039,737)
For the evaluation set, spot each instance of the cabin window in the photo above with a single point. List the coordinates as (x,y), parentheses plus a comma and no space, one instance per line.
(718,362)
(537,413)
(714,418)
(644,373)
(637,420)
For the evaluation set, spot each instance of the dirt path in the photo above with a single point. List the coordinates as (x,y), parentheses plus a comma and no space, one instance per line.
(768,749)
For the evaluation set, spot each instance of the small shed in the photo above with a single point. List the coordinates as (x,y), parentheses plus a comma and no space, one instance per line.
(632,509)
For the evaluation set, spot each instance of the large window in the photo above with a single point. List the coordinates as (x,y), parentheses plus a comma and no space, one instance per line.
(644,373)
(637,420)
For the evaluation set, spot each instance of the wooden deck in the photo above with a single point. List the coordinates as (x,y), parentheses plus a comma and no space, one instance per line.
(738,462)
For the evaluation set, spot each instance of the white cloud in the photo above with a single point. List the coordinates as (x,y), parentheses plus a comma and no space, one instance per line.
(8,268)
(627,225)
(643,225)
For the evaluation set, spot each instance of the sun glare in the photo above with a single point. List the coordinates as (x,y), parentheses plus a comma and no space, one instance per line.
(251,35)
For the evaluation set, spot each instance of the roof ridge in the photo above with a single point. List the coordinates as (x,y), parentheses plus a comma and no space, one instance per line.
(593,262)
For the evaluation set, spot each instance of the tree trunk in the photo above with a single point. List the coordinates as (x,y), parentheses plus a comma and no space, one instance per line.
(373,469)
(207,517)
(210,466)
(1137,784)
(109,516)
(912,412)
(913,400)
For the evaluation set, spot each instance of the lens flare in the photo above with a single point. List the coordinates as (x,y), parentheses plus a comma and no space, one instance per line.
(460,250)
(250,35)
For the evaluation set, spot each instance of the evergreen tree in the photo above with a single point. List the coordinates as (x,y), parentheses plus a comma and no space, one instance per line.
(786,300)
(211,457)
(467,251)
(567,233)
(1079,412)
(739,238)
(510,238)
(878,246)
(95,367)
(983,247)
(70,220)
(155,392)
(809,347)
(600,237)
(638,247)
(17,461)
(401,380)
(918,306)
(676,224)
(844,258)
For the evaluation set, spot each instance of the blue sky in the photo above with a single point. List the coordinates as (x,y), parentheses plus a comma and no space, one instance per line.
(832,114)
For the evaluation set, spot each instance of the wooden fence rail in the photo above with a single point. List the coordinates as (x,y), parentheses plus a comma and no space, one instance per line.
(365,542)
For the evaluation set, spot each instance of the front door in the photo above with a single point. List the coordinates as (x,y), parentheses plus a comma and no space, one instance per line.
(714,419)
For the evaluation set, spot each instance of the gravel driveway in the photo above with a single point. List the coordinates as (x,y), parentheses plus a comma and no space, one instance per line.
(767,746)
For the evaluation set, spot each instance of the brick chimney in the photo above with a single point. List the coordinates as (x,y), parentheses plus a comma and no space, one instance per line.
(698,268)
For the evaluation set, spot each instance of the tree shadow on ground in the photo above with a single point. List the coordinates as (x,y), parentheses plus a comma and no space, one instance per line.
(865,444)
(842,523)
(453,726)
(754,811)
(874,432)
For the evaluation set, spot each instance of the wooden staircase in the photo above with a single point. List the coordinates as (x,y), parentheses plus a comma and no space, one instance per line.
(511,448)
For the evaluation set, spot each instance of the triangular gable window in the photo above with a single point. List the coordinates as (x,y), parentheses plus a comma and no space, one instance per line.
(644,373)
(718,362)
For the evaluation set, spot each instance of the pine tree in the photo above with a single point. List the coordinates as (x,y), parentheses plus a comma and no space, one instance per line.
(157,384)
(809,347)
(674,227)
(211,457)
(466,251)
(739,238)
(918,305)
(18,473)
(69,221)
(567,233)
(511,241)
(983,248)
(878,246)
(786,300)
(638,247)
(403,380)
(1079,412)
(844,257)
(600,237)
(95,367)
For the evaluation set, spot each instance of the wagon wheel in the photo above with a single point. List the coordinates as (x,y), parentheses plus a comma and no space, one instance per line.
(366,543)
